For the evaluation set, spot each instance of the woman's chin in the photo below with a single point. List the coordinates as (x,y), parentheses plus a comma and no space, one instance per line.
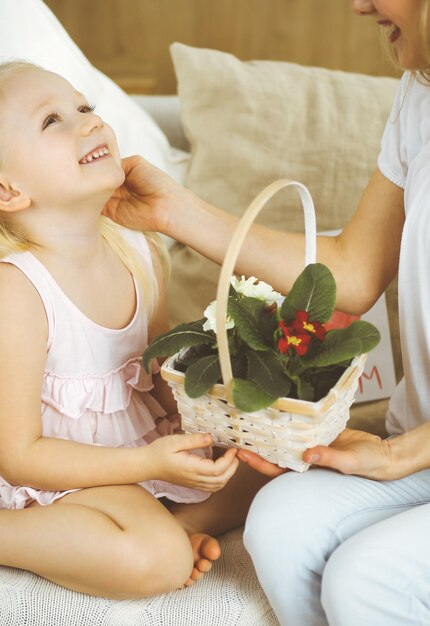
(411,60)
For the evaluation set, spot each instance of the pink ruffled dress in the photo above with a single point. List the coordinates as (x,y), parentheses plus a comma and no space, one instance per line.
(94,390)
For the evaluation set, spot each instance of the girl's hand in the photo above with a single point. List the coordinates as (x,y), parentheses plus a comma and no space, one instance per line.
(169,459)
(147,198)
(356,452)
(259,464)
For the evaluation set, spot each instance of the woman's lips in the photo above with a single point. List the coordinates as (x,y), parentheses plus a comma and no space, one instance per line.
(395,35)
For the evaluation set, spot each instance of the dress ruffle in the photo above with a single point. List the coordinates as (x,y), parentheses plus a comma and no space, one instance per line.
(19,497)
(107,393)
(114,410)
(141,417)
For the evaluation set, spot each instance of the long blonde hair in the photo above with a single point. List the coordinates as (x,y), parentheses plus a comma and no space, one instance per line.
(422,74)
(12,241)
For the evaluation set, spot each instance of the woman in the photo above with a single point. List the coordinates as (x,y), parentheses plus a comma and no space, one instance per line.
(329,548)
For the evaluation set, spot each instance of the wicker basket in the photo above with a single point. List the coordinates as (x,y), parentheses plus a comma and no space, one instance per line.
(282,432)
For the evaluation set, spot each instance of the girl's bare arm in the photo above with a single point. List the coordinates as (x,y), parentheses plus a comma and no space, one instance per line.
(29,458)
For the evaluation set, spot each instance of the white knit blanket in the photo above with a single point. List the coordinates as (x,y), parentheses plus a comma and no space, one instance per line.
(229,595)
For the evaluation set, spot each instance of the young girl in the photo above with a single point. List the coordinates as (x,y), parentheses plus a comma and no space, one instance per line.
(84,459)
(328,548)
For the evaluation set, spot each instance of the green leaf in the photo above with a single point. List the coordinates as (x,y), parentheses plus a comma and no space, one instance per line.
(192,355)
(267,372)
(342,344)
(334,351)
(182,336)
(268,326)
(239,366)
(305,390)
(314,291)
(248,397)
(246,313)
(201,376)
(368,334)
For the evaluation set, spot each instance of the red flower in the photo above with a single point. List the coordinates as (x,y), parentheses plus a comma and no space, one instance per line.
(300,342)
(302,324)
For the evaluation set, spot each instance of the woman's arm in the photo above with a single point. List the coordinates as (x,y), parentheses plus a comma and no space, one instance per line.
(363,258)
(364,454)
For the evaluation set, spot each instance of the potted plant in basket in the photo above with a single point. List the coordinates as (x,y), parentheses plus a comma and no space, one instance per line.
(279,347)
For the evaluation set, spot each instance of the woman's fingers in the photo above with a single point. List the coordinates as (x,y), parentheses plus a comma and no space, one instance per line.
(259,464)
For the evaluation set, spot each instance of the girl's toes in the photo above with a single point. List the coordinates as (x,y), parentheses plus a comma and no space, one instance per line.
(196,574)
(204,565)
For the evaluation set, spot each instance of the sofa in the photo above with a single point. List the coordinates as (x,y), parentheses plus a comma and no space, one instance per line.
(233,128)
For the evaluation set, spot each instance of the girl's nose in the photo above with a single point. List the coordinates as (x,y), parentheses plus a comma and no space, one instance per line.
(90,123)
(363,7)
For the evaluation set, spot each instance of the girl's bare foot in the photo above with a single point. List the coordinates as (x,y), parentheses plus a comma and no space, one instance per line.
(206,549)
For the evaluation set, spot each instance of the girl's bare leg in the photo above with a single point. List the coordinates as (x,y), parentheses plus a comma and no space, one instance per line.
(116,542)
(224,510)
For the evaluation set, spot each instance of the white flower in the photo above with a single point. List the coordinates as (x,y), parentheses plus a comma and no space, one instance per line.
(210,314)
(254,289)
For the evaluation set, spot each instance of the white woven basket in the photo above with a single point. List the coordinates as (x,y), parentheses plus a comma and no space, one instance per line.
(284,431)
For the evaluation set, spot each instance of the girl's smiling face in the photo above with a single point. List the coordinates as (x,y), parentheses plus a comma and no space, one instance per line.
(50,141)
(402,18)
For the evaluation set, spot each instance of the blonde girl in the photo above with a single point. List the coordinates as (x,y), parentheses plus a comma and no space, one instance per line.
(96,492)
(329,548)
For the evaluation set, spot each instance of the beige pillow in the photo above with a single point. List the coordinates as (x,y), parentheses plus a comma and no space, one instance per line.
(252,122)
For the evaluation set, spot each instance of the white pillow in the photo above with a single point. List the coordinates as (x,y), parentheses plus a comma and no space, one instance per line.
(30,31)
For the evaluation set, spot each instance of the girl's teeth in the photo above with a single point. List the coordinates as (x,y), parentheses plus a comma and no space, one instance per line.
(95,155)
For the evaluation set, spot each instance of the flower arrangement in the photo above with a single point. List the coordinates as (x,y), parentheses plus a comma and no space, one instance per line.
(279,347)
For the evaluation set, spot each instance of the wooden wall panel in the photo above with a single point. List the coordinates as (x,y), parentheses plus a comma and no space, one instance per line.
(129,39)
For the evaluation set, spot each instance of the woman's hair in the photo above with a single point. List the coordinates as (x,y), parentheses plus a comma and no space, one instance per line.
(12,241)
(425,38)
(422,74)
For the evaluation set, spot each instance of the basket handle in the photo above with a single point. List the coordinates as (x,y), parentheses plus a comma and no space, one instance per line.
(233,252)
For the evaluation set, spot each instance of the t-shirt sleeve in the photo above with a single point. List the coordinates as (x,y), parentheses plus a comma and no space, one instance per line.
(392,160)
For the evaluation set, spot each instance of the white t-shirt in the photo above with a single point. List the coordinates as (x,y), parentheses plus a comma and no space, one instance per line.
(405,160)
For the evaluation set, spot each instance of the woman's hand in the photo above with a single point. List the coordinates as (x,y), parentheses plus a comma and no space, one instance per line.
(169,458)
(353,452)
(359,453)
(259,464)
(147,199)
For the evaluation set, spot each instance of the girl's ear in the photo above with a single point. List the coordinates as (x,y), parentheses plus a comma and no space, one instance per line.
(12,199)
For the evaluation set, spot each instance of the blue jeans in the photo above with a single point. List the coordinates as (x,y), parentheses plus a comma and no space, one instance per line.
(343,550)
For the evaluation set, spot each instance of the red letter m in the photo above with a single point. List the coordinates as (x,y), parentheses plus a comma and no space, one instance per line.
(374,373)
